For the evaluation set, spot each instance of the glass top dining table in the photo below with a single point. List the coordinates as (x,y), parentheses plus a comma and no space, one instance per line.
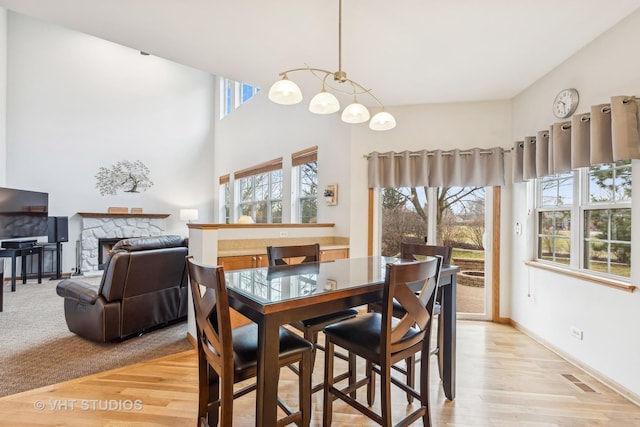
(276,296)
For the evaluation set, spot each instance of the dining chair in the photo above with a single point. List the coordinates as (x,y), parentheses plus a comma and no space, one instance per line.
(383,340)
(228,355)
(418,251)
(310,328)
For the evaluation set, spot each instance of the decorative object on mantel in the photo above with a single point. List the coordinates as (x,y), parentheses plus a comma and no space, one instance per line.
(245,219)
(189,215)
(136,210)
(117,210)
(131,177)
(331,194)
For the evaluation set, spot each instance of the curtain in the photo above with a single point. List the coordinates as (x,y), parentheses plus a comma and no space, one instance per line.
(606,134)
(454,168)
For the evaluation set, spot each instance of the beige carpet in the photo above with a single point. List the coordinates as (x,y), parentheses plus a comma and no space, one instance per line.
(37,349)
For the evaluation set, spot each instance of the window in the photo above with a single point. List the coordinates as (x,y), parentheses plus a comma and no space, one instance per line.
(554,218)
(260,192)
(233,94)
(592,208)
(225,198)
(607,220)
(305,183)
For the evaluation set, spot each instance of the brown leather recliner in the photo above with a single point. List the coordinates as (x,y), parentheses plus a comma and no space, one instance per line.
(144,286)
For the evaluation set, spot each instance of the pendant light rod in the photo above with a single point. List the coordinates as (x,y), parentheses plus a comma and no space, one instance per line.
(340,36)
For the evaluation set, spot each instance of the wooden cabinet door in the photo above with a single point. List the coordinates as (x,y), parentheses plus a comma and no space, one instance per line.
(244,261)
(331,254)
(237,262)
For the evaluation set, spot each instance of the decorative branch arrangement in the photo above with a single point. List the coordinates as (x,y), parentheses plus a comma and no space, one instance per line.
(131,177)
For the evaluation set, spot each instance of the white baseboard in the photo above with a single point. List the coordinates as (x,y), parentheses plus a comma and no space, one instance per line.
(608,382)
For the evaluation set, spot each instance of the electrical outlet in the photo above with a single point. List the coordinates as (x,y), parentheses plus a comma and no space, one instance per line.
(576,333)
(284,234)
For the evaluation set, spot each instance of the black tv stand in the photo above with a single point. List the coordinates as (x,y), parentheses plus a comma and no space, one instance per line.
(19,244)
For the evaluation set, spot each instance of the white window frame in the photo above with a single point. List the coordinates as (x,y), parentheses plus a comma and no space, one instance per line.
(299,159)
(580,204)
(253,203)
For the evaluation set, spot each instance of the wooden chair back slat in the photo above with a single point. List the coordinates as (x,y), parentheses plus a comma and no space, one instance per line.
(400,284)
(283,255)
(418,251)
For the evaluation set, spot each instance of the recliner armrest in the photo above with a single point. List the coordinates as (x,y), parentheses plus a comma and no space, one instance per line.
(78,291)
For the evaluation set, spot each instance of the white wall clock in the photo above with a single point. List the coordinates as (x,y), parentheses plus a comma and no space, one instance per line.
(565,103)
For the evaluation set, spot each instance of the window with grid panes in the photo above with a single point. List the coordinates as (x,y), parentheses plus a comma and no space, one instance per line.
(555,201)
(607,219)
(590,207)
(260,192)
(305,180)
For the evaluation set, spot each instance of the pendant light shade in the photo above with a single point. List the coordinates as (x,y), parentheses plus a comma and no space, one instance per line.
(355,113)
(324,103)
(382,121)
(285,92)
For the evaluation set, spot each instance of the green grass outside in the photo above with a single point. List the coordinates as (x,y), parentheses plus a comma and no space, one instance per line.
(467,253)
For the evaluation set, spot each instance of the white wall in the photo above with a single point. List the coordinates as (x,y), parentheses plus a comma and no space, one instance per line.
(76,103)
(546,303)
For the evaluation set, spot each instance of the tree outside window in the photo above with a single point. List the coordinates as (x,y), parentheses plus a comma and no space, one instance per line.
(307,175)
(459,217)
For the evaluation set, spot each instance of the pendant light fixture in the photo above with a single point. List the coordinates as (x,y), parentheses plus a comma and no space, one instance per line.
(286,92)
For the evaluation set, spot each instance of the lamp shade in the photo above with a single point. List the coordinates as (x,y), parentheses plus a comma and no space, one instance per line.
(189,214)
(245,219)
(382,121)
(285,92)
(324,103)
(355,113)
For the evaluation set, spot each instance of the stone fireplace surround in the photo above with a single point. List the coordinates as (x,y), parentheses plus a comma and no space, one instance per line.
(105,225)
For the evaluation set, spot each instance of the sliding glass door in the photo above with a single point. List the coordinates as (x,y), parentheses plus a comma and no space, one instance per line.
(451,216)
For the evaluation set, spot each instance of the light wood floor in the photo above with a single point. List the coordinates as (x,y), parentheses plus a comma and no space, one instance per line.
(504,379)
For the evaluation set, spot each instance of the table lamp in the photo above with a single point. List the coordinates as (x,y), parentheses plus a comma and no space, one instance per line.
(189,215)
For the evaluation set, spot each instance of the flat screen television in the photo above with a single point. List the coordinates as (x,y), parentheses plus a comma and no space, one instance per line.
(23,213)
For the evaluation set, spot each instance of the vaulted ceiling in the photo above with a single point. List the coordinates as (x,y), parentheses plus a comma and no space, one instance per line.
(406,51)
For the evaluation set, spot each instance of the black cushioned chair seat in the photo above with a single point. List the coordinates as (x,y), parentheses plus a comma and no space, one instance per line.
(245,345)
(362,333)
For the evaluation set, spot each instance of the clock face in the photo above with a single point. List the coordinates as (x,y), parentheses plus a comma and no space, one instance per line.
(565,103)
